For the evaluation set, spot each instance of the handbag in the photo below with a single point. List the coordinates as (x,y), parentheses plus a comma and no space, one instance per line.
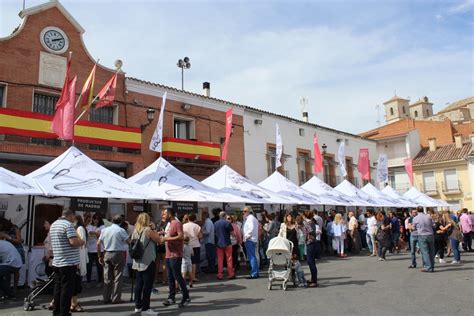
(136,250)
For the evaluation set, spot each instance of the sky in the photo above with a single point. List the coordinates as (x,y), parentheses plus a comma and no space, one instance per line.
(344,57)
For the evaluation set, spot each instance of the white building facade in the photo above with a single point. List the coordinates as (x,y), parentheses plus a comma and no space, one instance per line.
(298,153)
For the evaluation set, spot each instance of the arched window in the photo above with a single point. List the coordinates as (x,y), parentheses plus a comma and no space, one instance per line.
(427,112)
(403,109)
(391,111)
(416,113)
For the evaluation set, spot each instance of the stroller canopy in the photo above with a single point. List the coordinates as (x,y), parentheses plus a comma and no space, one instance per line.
(280,245)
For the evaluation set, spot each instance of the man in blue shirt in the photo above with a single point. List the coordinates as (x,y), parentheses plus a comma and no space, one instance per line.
(114,240)
(10,262)
(223,229)
(209,242)
(395,231)
(423,225)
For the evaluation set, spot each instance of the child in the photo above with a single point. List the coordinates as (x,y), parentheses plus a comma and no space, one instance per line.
(187,266)
(299,272)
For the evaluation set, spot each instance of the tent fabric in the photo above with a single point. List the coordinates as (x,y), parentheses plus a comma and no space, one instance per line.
(360,196)
(391,192)
(423,199)
(321,189)
(15,184)
(283,186)
(162,176)
(73,174)
(380,197)
(228,180)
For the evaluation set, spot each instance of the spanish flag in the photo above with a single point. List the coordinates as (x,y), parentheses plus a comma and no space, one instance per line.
(87,93)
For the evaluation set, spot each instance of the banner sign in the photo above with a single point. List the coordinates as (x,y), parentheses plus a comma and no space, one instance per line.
(228,132)
(30,124)
(363,164)
(382,168)
(157,138)
(341,157)
(192,149)
(85,204)
(182,208)
(257,208)
(279,148)
(409,169)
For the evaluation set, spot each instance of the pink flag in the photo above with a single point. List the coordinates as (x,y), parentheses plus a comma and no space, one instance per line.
(363,164)
(318,159)
(228,130)
(107,94)
(63,121)
(409,169)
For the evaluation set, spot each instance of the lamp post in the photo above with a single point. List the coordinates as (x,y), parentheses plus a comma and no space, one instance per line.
(183,64)
(150,115)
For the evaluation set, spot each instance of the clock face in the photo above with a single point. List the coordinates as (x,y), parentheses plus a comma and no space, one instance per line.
(54,40)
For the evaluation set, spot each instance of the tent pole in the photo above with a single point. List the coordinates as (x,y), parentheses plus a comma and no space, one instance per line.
(28,222)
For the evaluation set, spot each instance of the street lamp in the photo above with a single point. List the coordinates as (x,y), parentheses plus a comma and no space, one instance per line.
(325,147)
(150,115)
(183,64)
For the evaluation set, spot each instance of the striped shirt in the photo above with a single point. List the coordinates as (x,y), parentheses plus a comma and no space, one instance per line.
(64,254)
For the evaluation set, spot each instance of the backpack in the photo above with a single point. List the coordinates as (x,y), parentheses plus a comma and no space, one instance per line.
(136,250)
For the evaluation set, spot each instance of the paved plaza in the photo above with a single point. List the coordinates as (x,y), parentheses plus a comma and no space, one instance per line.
(354,286)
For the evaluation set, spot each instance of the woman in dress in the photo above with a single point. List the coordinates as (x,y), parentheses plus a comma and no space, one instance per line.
(339,230)
(82,271)
(289,231)
(384,235)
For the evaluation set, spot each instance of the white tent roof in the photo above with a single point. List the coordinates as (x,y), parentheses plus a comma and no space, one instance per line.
(15,184)
(177,186)
(229,181)
(375,193)
(73,174)
(424,199)
(323,190)
(352,191)
(388,190)
(283,186)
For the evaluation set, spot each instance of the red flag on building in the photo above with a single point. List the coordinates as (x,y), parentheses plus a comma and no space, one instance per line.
(363,164)
(107,94)
(63,121)
(228,130)
(318,159)
(409,169)
(87,93)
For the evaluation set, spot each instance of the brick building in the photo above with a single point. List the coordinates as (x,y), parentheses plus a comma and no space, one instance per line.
(32,68)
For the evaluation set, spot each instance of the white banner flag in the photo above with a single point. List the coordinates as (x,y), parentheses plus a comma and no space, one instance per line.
(279,148)
(341,156)
(382,168)
(156,139)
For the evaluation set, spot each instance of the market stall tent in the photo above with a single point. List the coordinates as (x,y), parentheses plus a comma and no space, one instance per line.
(73,174)
(360,196)
(14,184)
(388,190)
(423,199)
(380,197)
(321,189)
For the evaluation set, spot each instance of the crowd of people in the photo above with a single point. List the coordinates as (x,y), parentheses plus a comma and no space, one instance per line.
(168,250)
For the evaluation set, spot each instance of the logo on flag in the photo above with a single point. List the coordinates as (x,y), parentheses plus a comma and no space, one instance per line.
(279,148)
(382,168)
(341,156)
(157,138)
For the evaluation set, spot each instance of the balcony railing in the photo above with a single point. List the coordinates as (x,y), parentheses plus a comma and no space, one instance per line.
(452,187)
(431,190)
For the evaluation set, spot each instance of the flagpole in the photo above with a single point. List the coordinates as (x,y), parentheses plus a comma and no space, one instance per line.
(80,96)
(96,97)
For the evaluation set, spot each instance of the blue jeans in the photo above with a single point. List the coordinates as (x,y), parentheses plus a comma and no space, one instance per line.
(413,244)
(427,247)
(370,242)
(455,249)
(143,286)
(250,248)
(174,275)
(211,257)
(312,250)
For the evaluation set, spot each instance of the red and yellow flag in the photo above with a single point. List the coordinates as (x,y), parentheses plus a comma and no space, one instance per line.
(107,94)
(87,93)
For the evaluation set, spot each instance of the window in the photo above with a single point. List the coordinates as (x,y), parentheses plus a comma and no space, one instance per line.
(271,160)
(451,182)
(301,131)
(2,95)
(391,111)
(183,128)
(101,115)
(429,182)
(416,113)
(44,104)
(350,170)
(304,163)
(404,110)
(427,112)
(329,170)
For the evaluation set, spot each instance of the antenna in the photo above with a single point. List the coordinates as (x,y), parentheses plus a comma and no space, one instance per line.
(378,114)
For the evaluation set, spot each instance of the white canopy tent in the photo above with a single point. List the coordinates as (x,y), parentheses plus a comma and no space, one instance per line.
(360,196)
(229,181)
(73,174)
(280,184)
(389,191)
(423,199)
(162,176)
(380,197)
(321,189)
(14,184)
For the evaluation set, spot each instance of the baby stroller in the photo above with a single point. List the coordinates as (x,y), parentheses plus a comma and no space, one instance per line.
(40,287)
(279,252)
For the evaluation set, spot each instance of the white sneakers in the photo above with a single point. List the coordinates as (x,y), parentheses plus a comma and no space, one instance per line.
(455,262)
(146,312)
(138,310)
(442,260)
